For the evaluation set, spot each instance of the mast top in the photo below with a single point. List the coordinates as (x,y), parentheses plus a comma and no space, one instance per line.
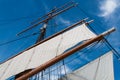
(109,31)
(54,12)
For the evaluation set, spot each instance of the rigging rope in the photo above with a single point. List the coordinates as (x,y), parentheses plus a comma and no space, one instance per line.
(97,22)
(21,18)
(5,43)
(65,69)
(6,69)
(9,21)
(109,46)
(30,58)
(98,64)
(85,52)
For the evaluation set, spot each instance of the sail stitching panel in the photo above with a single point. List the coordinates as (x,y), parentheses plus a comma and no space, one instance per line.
(61,39)
(30,58)
(95,76)
(25,59)
(6,69)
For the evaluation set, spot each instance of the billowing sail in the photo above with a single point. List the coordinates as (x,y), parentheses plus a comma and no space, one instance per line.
(99,69)
(44,52)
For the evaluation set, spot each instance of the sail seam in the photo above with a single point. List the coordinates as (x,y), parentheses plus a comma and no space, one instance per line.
(97,69)
(6,68)
(59,44)
(30,58)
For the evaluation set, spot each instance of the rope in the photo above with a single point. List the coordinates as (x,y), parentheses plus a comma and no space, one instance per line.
(5,43)
(97,69)
(110,46)
(6,69)
(49,73)
(98,22)
(59,44)
(92,29)
(21,18)
(30,58)
(84,52)
(65,70)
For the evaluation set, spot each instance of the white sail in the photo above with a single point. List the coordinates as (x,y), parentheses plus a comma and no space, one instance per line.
(44,52)
(99,69)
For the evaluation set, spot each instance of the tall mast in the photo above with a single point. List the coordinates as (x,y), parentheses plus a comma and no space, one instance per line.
(46,18)
(42,32)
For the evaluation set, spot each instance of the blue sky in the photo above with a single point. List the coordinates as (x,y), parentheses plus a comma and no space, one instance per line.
(16,15)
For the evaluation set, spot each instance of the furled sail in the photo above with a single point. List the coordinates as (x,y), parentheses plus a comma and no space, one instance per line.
(44,52)
(99,69)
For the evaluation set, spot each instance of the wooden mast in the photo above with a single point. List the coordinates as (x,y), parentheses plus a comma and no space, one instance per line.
(64,55)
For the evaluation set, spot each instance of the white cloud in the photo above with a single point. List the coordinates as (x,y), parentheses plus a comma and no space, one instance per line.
(64,21)
(46,8)
(108,7)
